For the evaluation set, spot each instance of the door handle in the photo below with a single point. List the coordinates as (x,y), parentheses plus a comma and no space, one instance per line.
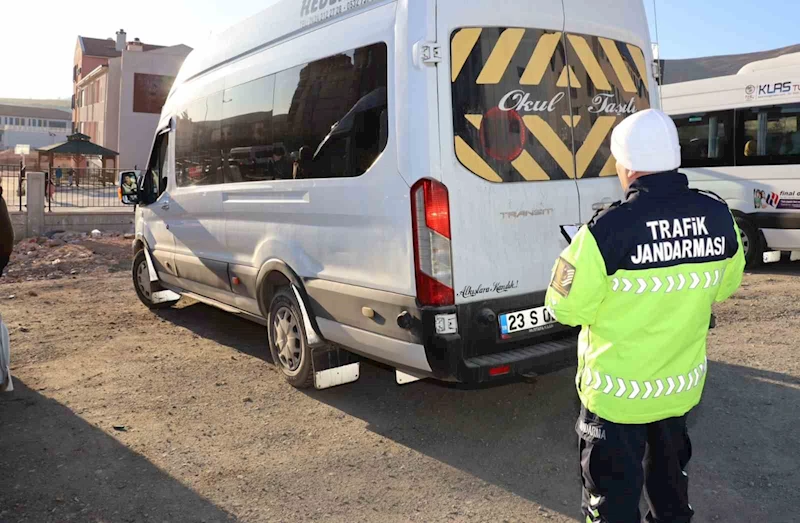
(165,206)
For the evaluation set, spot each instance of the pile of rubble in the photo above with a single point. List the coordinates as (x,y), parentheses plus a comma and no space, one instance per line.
(68,255)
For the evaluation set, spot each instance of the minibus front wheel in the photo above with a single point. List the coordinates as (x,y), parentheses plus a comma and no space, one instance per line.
(288,343)
(145,289)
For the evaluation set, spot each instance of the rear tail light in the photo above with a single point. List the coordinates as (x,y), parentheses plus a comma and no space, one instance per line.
(430,212)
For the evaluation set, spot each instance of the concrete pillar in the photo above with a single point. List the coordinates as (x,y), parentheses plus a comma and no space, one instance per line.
(35,203)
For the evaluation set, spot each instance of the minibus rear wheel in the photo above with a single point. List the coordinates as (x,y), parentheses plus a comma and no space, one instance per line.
(288,343)
(144,287)
(752,243)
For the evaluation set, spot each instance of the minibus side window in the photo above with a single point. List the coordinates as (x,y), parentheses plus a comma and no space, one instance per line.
(706,139)
(155,181)
(327,113)
(247,137)
(198,146)
(768,135)
(324,119)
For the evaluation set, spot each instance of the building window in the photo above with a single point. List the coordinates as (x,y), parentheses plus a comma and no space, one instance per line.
(769,135)
(150,92)
(58,125)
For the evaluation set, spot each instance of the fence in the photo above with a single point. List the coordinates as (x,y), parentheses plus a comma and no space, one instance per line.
(35,220)
(82,188)
(14,187)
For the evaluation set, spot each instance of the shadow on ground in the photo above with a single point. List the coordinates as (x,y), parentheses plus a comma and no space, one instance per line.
(521,436)
(221,327)
(56,467)
(782,268)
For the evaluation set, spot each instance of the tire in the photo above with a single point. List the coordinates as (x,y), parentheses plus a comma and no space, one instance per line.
(752,242)
(288,343)
(145,288)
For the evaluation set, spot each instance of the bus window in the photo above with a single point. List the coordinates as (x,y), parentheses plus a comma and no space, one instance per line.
(769,135)
(706,139)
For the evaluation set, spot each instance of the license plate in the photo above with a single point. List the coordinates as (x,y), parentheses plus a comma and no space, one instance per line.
(530,320)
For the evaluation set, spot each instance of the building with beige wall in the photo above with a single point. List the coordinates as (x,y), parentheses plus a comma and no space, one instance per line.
(118,102)
(34,126)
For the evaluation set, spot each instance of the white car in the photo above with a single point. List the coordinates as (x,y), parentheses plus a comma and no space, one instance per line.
(434,148)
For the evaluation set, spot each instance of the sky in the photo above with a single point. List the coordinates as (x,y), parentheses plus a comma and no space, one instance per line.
(40,43)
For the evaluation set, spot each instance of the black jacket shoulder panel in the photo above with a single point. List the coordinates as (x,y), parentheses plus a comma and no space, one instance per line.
(652,229)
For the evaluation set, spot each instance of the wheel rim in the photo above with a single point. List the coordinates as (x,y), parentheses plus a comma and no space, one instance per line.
(288,340)
(143,280)
(745,242)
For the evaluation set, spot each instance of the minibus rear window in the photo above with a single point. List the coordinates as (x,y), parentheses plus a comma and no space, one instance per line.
(538,105)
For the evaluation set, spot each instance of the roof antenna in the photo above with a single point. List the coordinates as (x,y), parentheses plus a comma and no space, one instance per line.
(656,55)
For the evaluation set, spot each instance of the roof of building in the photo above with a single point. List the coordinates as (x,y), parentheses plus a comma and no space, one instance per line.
(78,144)
(107,47)
(685,70)
(34,112)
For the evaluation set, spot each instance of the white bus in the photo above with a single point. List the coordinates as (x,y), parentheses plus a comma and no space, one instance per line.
(740,138)
(431,151)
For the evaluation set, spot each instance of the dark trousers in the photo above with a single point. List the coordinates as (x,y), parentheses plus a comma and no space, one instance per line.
(618,460)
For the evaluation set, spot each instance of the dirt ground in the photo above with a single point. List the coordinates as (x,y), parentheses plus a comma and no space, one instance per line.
(125,415)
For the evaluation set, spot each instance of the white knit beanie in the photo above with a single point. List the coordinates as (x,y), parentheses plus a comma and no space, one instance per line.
(647,142)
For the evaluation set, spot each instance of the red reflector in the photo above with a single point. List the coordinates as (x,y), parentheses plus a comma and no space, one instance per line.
(431,292)
(503,134)
(499,371)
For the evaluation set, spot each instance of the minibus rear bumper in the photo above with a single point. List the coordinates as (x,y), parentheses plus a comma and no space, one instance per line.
(476,354)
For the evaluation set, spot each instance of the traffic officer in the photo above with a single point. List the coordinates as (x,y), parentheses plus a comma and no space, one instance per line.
(640,279)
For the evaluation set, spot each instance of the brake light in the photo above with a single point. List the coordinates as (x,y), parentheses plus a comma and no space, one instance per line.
(430,214)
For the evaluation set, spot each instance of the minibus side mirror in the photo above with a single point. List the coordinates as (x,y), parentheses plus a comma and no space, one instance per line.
(129,187)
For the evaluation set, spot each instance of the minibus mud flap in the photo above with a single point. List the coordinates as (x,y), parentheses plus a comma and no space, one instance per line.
(162,295)
(334,366)
(403,377)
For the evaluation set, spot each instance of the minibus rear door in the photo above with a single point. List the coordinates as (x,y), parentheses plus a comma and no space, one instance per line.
(506,135)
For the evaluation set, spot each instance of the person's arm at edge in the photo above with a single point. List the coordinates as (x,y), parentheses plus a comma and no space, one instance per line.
(579,281)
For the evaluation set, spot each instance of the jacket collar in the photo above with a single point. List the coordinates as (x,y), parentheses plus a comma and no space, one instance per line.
(669,182)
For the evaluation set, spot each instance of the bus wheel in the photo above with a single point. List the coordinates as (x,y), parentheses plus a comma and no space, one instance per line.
(287,340)
(752,242)
(144,287)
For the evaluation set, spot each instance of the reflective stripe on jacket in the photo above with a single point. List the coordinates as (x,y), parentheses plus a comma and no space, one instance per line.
(640,279)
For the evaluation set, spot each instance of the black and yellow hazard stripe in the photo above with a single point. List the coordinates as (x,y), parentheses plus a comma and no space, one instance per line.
(488,63)
(617,73)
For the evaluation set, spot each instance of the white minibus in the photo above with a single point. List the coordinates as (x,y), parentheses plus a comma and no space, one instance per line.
(431,151)
(740,138)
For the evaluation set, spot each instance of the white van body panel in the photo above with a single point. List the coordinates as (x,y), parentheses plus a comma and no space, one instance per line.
(491,249)
(760,84)
(299,221)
